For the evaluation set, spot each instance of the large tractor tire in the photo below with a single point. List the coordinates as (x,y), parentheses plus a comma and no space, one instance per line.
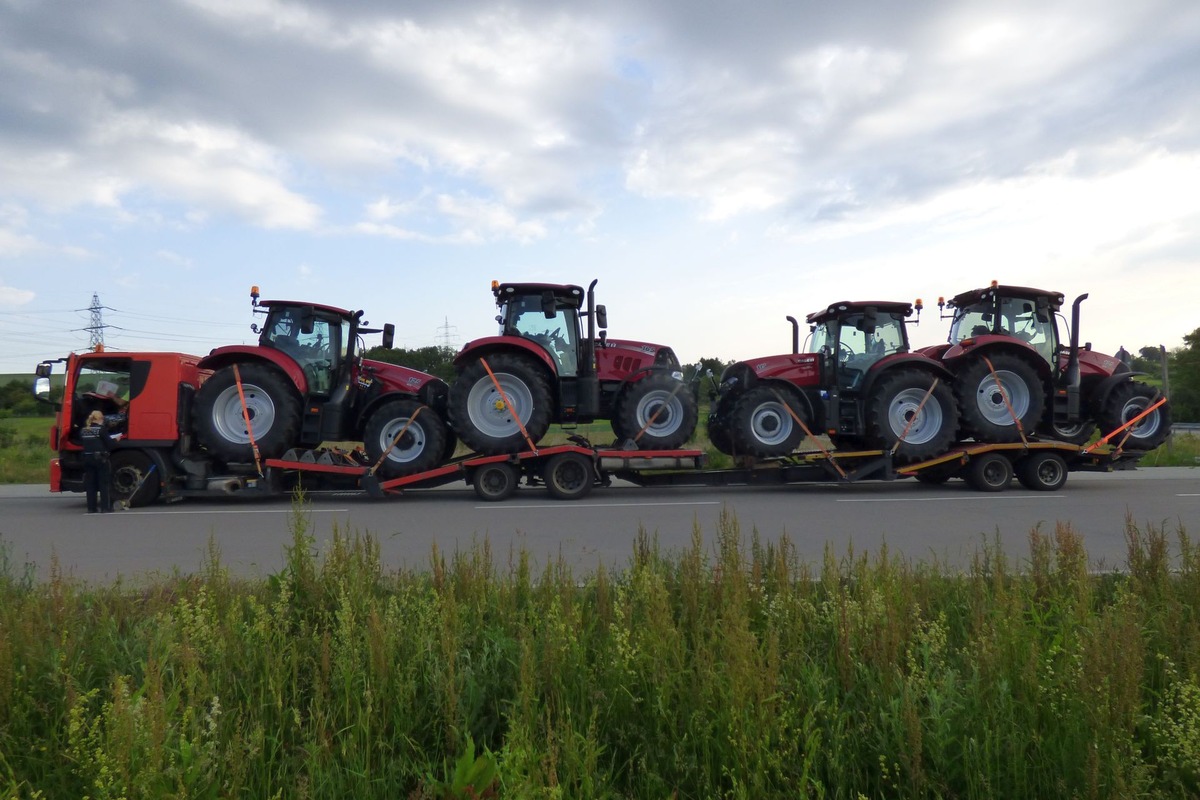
(985,406)
(481,418)
(659,408)
(764,422)
(1126,401)
(719,434)
(894,406)
(271,403)
(1072,433)
(421,446)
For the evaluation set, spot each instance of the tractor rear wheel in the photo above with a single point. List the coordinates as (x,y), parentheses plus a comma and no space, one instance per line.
(420,447)
(764,423)
(895,413)
(1126,401)
(481,417)
(271,404)
(658,412)
(986,415)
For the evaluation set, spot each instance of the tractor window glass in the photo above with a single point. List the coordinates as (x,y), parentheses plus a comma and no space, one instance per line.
(558,334)
(822,339)
(1018,318)
(318,353)
(975,320)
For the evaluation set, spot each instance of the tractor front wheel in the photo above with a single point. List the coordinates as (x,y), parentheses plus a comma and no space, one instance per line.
(990,400)
(718,426)
(271,404)
(658,412)
(485,412)
(908,407)
(1071,433)
(411,434)
(764,422)
(1124,403)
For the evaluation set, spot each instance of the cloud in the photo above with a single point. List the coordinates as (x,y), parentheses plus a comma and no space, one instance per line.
(14,298)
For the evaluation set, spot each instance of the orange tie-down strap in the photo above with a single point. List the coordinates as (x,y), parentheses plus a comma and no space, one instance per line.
(1004,396)
(237,378)
(395,440)
(1128,426)
(807,432)
(508,404)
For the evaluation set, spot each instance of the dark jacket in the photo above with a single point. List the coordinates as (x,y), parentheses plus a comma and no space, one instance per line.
(96,441)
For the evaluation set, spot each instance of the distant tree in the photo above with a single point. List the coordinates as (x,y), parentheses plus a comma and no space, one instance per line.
(1185,379)
(434,360)
(700,371)
(1148,360)
(17,400)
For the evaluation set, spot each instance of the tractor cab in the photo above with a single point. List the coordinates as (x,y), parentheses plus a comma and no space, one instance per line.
(1018,312)
(546,314)
(853,337)
(318,338)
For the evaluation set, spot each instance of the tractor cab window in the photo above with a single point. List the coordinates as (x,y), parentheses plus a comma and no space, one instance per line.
(973,320)
(1019,318)
(860,344)
(559,334)
(318,351)
(103,386)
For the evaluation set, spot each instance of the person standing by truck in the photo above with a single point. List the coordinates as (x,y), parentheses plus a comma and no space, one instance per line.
(97,476)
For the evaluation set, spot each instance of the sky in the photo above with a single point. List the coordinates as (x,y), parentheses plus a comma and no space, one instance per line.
(717,166)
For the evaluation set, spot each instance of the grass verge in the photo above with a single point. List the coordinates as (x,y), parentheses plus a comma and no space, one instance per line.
(731,670)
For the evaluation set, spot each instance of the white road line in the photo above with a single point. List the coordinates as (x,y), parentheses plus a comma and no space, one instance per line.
(1187,495)
(569,504)
(954,499)
(248,511)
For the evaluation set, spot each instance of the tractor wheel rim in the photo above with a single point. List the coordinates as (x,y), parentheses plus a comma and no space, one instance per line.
(411,444)
(770,423)
(1148,426)
(1069,431)
(925,426)
(669,411)
(228,419)
(991,401)
(487,410)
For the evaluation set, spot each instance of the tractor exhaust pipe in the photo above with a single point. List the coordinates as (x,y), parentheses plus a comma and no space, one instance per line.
(795,335)
(589,383)
(1071,379)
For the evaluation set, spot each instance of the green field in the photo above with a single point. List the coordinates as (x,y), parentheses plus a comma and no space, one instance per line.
(727,670)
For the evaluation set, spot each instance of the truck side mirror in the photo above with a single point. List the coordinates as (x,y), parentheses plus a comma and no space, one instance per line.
(389,335)
(601,317)
(41,389)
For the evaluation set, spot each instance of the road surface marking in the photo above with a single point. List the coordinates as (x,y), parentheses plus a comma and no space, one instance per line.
(952,499)
(1187,495)
(249,511)
(559,504)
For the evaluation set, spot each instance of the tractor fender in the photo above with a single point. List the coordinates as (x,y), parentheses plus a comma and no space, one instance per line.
(891,362)
(1101,390)
(243,354)
(482,348)
(992,344)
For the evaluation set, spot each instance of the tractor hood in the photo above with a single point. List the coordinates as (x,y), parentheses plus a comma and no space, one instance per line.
(395,378)
(620,358)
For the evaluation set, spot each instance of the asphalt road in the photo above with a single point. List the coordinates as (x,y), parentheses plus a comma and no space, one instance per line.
(946,523)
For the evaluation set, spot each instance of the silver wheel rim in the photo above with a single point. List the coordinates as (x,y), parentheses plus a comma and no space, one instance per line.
(770,423)
(1148,426)
(411,445)
(925,426)
(669,418)
(1069,431)
(487,410)
(228,419)
(991,402)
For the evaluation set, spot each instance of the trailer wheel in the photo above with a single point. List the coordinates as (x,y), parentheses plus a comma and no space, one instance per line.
(892,409)
(1125,402)
(133,481)
(420,448)
(495,482)
(663,406)
(568,476)
(936,476)
(479,414)
(271,404)
(989,472)
(1042,472)
(763,425)
(985,414)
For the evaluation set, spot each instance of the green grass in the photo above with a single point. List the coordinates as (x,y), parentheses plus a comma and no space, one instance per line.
(731,669)
(25,449)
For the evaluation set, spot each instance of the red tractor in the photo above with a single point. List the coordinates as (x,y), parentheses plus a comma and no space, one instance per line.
(858,383)
(545,368)
(1009,363)
(305,383)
